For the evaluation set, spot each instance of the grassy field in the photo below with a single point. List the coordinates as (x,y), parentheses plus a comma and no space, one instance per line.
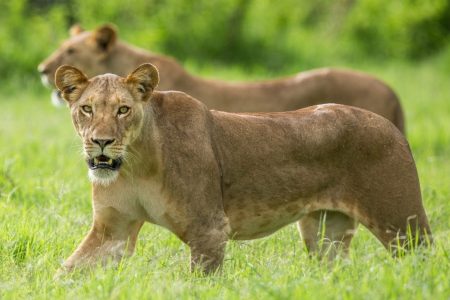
(45,210)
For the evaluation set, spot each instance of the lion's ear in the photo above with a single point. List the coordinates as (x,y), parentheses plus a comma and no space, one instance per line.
(75,29)
(71,82)
(143,81)
(105,37)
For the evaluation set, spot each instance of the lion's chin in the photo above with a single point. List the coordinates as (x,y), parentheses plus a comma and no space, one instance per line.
(103,176)
(45,81)
(57,99)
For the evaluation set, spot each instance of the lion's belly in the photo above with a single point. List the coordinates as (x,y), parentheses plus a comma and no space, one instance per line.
(251,220)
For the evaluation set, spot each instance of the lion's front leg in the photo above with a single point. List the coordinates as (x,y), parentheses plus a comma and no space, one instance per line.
(207,240)
(111,237)
(207,250)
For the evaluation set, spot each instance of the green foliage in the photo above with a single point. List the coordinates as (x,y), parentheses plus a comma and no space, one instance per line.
(282,37)
(26,34)
(412,29)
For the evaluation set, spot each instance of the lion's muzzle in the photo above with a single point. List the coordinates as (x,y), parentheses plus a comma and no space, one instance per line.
(104,162)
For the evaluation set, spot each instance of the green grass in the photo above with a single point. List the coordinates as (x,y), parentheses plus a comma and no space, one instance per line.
(45,211)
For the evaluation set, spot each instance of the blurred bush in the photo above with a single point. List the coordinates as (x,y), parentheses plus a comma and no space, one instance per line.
(283,36)
(411,28)
(27,35)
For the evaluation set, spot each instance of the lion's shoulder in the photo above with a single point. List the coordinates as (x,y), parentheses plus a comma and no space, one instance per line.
(175,101)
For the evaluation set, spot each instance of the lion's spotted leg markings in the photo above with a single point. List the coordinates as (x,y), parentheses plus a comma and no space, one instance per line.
(327,233)
(107,240)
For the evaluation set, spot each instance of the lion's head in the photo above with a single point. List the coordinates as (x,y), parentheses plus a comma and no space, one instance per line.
(86,50)
(107,112)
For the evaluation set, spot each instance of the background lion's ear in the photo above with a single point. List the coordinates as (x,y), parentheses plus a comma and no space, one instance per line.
(143,81)
(105,37)
(71,82)
(75,29)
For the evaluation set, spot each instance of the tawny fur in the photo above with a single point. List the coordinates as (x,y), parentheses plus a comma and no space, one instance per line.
(210,176)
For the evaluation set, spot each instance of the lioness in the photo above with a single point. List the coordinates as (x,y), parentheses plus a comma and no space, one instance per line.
(210,176)
(99,51)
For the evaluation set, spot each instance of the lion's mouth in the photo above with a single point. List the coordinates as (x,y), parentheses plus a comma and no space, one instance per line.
(104,162)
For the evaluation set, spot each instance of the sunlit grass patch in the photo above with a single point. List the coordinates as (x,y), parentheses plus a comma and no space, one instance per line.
(45,211)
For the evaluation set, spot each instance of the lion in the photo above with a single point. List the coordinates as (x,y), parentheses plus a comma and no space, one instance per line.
(100,51)
(210,176)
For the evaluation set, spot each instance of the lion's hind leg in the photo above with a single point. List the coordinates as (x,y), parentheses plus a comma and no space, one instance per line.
(400,238)
(327,233)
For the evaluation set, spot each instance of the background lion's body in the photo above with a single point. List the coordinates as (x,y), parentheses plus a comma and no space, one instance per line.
(283,94)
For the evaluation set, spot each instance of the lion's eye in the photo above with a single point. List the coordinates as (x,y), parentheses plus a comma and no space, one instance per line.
(70,50)
(123,110)
(87,109)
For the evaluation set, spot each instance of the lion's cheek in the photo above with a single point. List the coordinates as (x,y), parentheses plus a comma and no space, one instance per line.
(131,130)
(77,123)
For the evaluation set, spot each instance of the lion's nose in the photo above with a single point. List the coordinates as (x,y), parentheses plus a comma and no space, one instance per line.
(43,69)
(103,143)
